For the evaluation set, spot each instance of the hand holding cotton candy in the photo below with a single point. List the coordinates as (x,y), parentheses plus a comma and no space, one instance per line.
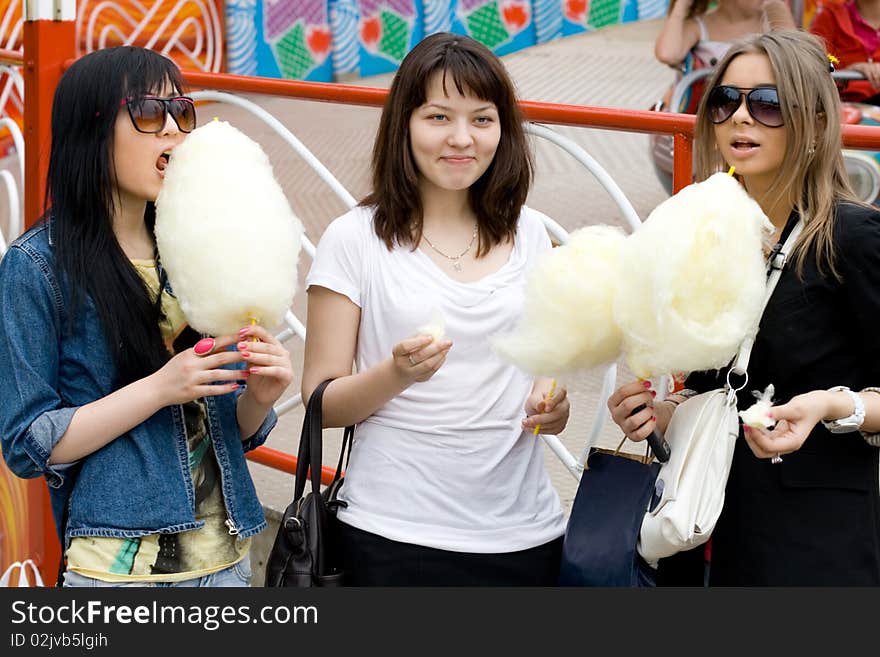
(226,234)
(567,322)
(693,279)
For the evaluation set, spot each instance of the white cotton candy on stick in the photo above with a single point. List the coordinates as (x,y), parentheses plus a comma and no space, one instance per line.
(693,279)
(757,415)
(226,234)
(567,321)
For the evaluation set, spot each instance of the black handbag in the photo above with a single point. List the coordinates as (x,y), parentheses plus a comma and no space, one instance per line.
(602,534)
(307,551)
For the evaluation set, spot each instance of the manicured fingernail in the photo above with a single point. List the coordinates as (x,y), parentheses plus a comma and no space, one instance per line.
(746,428)
(254,370)
(246,354)
(245,373)
(653,419)
(243,331)
(653,393)
(242,346)
(647,384)
(204,346)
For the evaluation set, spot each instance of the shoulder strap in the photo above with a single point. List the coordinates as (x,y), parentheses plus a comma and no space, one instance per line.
(309,455)
(778,258)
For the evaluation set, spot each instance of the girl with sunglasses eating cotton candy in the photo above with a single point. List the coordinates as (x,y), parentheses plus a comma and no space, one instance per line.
(136,423)
(801,500)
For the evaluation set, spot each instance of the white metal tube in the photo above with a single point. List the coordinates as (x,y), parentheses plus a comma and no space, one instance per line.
(14,210)
(282,130)
(598,171)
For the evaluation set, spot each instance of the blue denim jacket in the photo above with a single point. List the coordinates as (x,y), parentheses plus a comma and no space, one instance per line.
(137,484)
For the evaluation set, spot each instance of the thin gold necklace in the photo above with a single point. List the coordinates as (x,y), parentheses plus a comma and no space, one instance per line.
(456,260)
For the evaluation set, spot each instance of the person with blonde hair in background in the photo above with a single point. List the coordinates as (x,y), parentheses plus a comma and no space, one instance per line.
(801,503)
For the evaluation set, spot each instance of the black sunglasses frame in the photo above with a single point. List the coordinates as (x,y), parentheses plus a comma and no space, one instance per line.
(166,110)
(712,108)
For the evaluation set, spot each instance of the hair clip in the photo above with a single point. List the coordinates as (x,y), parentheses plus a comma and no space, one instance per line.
(832,61)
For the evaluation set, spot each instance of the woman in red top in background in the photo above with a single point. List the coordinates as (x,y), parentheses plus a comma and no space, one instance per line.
(851,31)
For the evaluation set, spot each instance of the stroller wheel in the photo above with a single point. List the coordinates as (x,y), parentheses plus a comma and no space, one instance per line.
(864,175)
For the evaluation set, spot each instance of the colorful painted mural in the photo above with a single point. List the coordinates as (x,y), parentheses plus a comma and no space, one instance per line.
(342,39)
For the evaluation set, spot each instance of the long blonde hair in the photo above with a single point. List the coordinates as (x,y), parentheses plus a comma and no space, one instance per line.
(812,173)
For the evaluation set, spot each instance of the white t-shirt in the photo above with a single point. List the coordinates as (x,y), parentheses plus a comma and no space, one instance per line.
(445,464)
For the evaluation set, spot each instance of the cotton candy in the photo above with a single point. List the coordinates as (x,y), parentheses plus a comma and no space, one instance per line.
(757,415)
(567,322)
(692,279)
(436,327)
(226,234)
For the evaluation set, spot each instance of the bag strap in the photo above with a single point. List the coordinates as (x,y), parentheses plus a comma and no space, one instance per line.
(777,260)
(310,452)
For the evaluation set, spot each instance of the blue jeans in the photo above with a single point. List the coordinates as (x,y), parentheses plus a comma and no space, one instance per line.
(236,575)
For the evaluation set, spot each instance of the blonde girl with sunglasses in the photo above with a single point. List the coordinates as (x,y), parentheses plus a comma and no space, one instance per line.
(801,505)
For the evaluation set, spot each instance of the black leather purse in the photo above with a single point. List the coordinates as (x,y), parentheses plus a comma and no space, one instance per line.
(306,551)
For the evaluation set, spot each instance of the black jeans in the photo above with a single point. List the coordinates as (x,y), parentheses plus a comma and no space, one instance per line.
(372,560)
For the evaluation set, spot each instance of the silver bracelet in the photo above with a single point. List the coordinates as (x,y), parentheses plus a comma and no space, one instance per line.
(873,439)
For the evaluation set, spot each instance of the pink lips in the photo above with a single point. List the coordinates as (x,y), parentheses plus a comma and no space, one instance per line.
(458,159)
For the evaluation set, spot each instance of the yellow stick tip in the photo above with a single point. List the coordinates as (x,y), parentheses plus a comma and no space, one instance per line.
(730,171)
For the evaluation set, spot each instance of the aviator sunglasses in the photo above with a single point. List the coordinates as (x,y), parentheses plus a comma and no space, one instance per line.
(762,103)
(148,113)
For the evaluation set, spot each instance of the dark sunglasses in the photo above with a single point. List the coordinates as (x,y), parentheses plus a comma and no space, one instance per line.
(762,103)
(148,113)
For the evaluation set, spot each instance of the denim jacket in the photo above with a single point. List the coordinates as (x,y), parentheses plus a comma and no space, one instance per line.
(135,485)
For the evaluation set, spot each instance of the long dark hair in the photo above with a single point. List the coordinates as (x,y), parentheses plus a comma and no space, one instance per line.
(499,194)
(81,190)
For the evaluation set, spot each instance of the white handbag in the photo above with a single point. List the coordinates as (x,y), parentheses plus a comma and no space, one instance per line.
(22,568)
(689,490)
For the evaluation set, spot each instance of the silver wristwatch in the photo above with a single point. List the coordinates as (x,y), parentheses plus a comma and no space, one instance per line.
(852,422)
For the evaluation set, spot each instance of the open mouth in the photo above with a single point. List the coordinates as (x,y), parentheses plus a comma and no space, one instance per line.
(743,145)
(162,162)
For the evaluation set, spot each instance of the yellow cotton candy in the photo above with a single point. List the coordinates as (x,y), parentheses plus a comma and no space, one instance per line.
(567,323)
(226,234)
(693,279)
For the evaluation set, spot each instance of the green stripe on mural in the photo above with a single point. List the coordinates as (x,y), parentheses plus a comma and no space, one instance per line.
(485,26)
(603,12)
(294,58)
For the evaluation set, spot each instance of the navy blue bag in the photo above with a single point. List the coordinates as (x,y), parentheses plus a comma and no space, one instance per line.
(600,542)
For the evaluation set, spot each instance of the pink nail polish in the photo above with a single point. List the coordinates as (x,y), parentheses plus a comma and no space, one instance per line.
(245,374)
(242,346)
(647,384)
(246,354)
(653,393)
(254,370)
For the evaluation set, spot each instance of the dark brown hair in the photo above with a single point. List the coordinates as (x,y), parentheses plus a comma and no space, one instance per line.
(697,8)
(498,195)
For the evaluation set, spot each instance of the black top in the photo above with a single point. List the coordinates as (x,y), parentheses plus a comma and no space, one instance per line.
(813,519)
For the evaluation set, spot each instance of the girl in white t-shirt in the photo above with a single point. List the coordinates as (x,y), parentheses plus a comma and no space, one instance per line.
(446,484)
